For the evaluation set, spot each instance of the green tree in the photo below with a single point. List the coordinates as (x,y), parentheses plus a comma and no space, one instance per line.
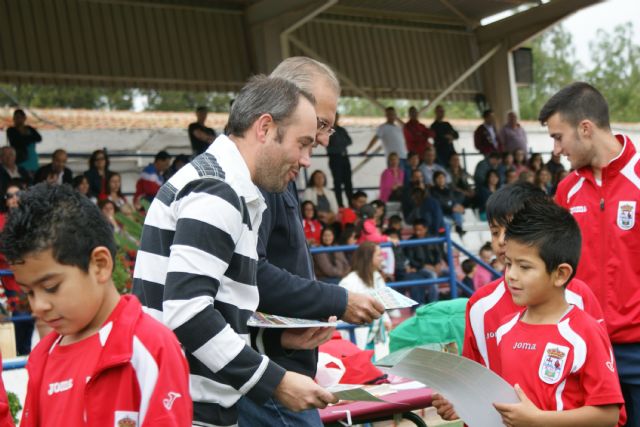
(554,66)
(48,96)
(616,71)
(167,100)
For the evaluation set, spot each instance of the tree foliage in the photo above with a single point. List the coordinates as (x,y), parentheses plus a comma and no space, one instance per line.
(39,96)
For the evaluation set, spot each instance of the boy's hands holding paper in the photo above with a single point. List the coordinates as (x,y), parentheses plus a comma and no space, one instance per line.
(306,338)
(524,413)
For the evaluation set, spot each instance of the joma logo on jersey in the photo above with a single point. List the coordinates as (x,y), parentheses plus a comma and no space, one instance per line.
(490,335)
(60,386)
(578,209)
(524,346)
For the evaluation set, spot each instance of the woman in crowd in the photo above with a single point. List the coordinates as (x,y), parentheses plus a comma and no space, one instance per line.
(80,183)
(392,180)
(450,201)
(330,267)
(520,161)
(364,277)
(535,162)
(491,184)
(323,199)
(114,193)
(461,180)
(98,174)
(543,180)
(310,223)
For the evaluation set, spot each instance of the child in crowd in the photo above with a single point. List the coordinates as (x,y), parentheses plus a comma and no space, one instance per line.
(491,303)
(469,267)
(312,227)
(330,267)
(424,261)
(558,358)
(483,276)
(366,228)
(365,275)
(107,363)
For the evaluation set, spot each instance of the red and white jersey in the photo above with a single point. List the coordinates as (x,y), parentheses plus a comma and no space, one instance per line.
(608,214)
(488,306)
(560,366)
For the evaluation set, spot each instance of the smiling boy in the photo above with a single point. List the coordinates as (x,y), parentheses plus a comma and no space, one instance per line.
(558,358)
(107,362)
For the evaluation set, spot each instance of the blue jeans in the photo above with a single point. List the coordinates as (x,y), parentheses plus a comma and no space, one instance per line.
(628,364)
(273,413)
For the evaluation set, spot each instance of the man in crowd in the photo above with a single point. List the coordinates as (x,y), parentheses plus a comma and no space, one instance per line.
(603,195)
(10,170)
(285,270)
(199,134)
(486,138)
(152,177)
(339,162)
(57,171)
(512,135)
(429,166)
(196,268)
(23,138)
(391,136)
(445,135)
(416,134)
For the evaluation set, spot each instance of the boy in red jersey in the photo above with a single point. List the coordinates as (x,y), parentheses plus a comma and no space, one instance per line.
(107,363)
(558,358)
(491,303)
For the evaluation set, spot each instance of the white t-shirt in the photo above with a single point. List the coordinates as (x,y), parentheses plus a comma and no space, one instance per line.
(392,140)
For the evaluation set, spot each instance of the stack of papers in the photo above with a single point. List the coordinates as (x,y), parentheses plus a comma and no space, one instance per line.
(261,320)
(392,299)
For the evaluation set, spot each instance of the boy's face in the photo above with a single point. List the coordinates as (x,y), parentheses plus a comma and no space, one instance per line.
(66,298)
(497,240)
(527,278)
(420,231)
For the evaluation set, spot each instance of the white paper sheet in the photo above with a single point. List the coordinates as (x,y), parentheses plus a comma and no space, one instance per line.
(261,320)
(392,299)
(469,386)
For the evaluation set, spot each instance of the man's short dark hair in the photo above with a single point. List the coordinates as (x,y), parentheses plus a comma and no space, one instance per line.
(202,109)
(577,102)
(56,217)
(162,155)
(19,112)
(358,194)
(506,201)
(420,221)
(486,113)
(467,266)
(265,95)
(550,229)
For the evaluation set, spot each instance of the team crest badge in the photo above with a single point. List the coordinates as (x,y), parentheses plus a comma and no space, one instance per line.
(626,214)
(552,363)
(125,419)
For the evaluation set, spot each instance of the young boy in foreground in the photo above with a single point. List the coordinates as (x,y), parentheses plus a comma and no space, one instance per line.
(558,358)
(491,303)
(107,363)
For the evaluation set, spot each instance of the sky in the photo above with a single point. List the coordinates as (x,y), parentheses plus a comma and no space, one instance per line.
(584,24)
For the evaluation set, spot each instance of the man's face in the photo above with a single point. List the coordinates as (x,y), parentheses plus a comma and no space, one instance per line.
(162,165)
(8,156)
(19,119)
(390,114)
(420,231)
(512,119)
(326,106)
(201,116)
(429,156)
(413,113)
(490,119)
(287,149)
(359,202)
(439,113)
(567,142)
(59,162)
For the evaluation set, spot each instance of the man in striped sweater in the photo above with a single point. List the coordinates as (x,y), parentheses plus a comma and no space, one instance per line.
(196,269)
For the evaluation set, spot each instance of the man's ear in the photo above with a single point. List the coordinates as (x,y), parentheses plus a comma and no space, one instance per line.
(586,128)
(101,264)
(261,127)
(562,274)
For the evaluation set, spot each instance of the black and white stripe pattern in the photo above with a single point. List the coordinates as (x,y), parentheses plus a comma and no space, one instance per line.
(196,272)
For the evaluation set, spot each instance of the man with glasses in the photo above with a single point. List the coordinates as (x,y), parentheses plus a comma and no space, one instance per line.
(286,280)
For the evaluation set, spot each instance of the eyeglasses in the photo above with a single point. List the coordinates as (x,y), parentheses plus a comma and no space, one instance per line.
(10,196)
(323,125)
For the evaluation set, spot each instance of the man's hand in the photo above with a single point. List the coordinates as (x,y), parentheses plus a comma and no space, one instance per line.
(306,338)
(444,407)
(525,413)
(299,392)
(362,308)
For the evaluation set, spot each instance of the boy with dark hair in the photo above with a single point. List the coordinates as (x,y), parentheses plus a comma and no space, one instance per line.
(491,303)
(557,357)
(107,363)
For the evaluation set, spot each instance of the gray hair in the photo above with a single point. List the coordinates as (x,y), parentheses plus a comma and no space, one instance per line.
(264,95)
(304,72)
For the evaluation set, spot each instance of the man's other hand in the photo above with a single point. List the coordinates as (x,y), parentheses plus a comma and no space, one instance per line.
(362,308)
(299,392)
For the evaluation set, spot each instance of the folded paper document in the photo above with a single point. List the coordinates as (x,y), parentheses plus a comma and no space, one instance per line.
(261,320)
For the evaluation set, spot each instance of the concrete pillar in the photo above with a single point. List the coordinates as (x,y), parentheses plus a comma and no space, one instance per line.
(498,80)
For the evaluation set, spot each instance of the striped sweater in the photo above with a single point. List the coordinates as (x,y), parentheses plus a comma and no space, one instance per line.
(196,272)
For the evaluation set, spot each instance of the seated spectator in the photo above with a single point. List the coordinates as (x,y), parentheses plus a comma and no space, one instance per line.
(348,238)
(323,199)
(450,201)
(421,206)
(80,183)
(486,138)
(349,215)
(10,169)
(413,163)
(490,185)
(179,161)
(330,267)
(527,176)
(200,136)
(543,180)
(461,180)
(554,165)
(395,224)
(520,161)
(312,227)
(483,276)
(55,172)
(505,165)
(424,261)
(380,213)
(365,275)
(469,267)
(510,176)
(392,180)
(491,162)
(114,192)
(535,162)
(123,238)
(98,174)
(429,166)
(366,228)
(152,177)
